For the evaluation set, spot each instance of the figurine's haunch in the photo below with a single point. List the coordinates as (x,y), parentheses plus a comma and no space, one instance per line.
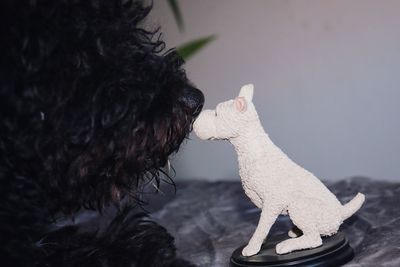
(272,181)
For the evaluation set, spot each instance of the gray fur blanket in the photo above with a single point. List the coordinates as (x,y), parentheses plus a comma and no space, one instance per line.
(211,219)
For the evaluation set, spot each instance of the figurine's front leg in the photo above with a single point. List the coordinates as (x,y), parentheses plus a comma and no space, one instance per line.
(268,216)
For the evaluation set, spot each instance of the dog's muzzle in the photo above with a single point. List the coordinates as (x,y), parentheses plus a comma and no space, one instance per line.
(194,100)
(204,125)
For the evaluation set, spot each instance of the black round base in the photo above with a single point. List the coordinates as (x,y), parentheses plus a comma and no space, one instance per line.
(335,251)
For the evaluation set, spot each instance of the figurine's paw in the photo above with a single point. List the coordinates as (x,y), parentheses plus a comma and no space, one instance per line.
(283,247)
(292,234)
(251,249)
(303,242)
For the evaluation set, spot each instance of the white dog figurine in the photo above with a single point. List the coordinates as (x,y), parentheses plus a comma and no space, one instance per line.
(272,181)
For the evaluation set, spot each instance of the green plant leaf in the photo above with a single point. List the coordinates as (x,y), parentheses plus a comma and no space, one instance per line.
(188,49)
(173,4)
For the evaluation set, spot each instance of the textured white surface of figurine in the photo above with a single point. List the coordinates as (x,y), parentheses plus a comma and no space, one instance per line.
(271,180)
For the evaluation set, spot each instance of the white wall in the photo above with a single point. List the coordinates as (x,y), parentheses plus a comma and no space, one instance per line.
(326,75)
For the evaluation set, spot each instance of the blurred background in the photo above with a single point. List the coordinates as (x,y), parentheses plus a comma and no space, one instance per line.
(326,76)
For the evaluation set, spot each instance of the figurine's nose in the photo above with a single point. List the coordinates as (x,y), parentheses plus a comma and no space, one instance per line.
(194,99)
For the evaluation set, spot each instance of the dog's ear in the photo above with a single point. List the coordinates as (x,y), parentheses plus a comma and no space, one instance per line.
(247,92)
(240,104)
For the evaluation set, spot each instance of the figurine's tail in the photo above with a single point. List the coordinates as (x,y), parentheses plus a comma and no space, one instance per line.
(352,206)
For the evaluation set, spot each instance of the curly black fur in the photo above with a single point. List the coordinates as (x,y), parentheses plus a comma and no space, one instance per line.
(129,238)
(91,108)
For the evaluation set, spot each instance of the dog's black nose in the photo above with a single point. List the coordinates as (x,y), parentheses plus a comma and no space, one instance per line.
(194,99)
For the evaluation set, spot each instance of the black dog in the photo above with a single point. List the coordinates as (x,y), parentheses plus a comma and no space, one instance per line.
(91,108)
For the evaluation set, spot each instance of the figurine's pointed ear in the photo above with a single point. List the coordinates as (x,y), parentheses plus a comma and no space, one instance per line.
(240,104)
(247,92)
